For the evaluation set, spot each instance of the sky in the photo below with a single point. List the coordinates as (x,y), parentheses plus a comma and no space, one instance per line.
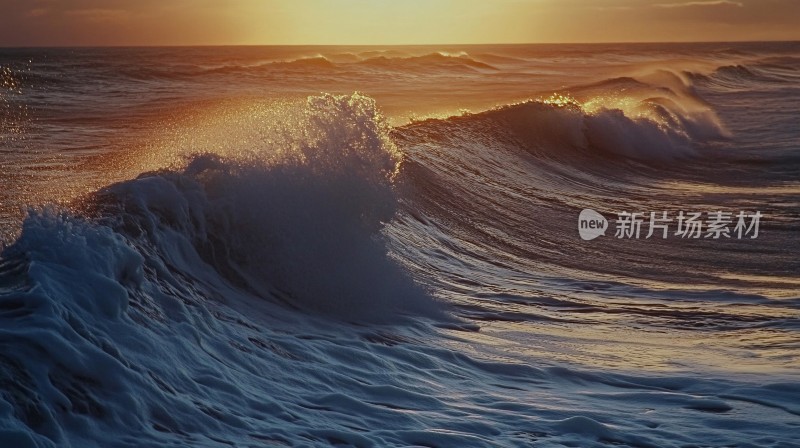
(390,22)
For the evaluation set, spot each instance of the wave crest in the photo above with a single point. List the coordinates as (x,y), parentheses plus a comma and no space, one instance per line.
(621,117)
(297,219)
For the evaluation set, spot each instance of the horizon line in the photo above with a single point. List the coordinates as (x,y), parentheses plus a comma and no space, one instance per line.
(3,46)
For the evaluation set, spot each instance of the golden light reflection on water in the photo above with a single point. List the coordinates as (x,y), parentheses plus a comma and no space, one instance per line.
(222,128)
(562,100)
(773,286)
(622,347)
(698,188)
(61,178)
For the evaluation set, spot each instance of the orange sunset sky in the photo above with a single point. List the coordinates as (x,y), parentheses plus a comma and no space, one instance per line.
(350,22)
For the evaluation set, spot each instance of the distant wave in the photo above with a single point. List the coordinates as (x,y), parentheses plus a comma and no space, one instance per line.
(309,62)
(428,61)
(492,58)
(782,62)
(616,117)
(755,74)
(305,63)
(432,61)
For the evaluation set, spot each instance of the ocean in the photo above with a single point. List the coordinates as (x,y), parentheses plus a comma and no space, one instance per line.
(386,246)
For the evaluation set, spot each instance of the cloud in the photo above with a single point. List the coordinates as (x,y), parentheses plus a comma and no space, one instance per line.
(708,3)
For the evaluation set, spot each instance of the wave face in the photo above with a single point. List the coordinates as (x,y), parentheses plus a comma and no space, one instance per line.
(283,272)
(304,230)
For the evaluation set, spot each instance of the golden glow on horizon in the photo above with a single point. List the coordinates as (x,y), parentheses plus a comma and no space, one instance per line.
(390,22)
